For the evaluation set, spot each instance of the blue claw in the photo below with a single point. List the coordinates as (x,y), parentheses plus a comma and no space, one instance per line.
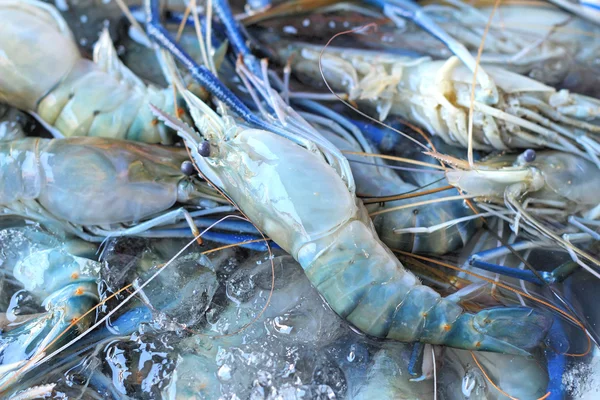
(526,275)
(557,361)
(217,237)
(228,225)
(234,238)
(231,26)
(540,278)
(416,358)
(200,73)
(237,40)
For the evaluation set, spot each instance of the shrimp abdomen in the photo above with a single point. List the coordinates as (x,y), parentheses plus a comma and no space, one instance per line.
(93,102)
(366,284)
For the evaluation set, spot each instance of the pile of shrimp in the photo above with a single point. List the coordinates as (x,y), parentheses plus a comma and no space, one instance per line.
(303,199)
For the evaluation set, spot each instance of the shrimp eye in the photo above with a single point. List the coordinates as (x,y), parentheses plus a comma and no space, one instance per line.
(204,149)
(529,155)
(187,168)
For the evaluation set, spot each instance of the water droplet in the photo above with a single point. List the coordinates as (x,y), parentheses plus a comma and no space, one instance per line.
(352,355)
(281,327)
(290,30)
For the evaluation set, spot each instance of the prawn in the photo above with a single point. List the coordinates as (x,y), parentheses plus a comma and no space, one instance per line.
(76,96)
(306,206)
(549,193)
(436,96)
(95,187)
(66,283)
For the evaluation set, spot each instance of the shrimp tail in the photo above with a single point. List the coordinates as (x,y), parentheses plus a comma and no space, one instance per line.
(509,330)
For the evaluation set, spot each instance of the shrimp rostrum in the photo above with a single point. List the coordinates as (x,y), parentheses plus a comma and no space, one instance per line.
(302,203)
(42,71)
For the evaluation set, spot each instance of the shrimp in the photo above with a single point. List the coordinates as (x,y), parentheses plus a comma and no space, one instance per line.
(436,96)
(42,71)
(66,283)
(297,198)
(295,316)
(97,187)
(56,267)
(549,192)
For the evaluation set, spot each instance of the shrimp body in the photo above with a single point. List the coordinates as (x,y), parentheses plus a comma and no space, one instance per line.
(437,95)
(81,182)
(301,202)
(41,70)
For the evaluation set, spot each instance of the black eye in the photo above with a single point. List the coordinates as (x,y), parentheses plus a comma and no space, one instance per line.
(204,149)
(529,155)
(187,168)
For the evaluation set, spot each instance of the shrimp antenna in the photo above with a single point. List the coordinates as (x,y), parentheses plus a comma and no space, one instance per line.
(434,374)
(474,83)
(395,158)
(360,29)
(407,195)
